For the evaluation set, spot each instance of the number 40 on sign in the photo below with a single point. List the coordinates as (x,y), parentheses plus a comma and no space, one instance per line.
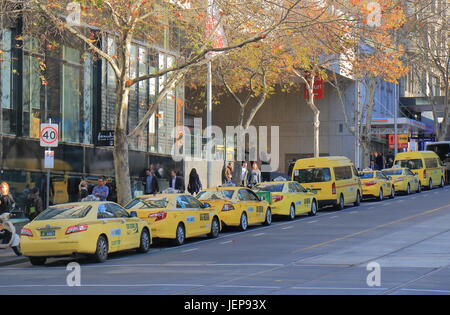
(49,135)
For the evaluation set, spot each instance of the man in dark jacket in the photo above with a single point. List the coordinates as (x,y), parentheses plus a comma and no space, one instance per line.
(150,182)
(34,205)
(176,182)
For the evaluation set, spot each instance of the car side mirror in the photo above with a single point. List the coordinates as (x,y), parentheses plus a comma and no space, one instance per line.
(133,214)
(389,177)
(206,205)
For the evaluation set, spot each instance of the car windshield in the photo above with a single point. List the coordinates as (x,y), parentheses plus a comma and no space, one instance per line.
(269,188)
(149,203)
(312,175)
(415,164)
(64,212)
(219,194)
(393,172)
(366,175)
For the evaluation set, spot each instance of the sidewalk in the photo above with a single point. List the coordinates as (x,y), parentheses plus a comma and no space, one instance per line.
(7,258)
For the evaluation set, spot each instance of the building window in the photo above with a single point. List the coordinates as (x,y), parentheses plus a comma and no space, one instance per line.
(31,94)
(72,126)
(8,119)
(57,85)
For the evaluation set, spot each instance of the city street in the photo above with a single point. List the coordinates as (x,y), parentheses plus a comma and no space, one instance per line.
(409,237)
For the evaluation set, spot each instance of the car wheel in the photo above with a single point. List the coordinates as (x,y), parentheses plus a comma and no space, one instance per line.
(243,225)
(180,235)
(268,220)
(144,245)
(358,199)
(408,190)
(341,204)
(442,182)
(392,192)
(430,184)
(292,212)
(38,261)
(419,188)
(215,228)
(313,211)
(380,195)
(101,253)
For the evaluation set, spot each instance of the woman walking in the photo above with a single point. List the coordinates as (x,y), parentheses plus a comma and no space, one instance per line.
(195,184)
(7,202)
(255,175)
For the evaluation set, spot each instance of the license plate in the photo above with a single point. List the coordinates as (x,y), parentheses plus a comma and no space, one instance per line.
(47,233)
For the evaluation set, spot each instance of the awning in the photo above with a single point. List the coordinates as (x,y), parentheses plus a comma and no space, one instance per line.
(404,125)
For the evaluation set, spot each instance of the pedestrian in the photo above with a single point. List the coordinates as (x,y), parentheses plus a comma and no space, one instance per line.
(379,161)
(83,190)
(150,182)
(195,184)
(255,175)
(34,204)
(228,173)
(244,174)
(176,182)
(101,191)
(7,202)
(112,196)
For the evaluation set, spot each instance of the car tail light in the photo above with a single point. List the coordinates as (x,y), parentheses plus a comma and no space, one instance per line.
(158,216)
(277,198)
(370,183)
(227,207)
(333,189)
(425,173)
(76,229)
(26,232)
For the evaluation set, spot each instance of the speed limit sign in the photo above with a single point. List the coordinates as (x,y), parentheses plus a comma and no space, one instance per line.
(49,135)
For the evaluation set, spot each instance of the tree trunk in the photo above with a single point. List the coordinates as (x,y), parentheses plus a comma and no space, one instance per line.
(316,131)
(120,152)
(316,121)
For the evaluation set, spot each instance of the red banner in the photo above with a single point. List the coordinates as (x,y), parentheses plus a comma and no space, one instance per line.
(319,89)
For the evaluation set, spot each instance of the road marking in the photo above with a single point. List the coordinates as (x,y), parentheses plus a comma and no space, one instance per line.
(104,285)
(370,229)
(189,250)
(336,216)
(334,288)
(313,222)
(227,242)
(246,286)
(259,234)
(287,228)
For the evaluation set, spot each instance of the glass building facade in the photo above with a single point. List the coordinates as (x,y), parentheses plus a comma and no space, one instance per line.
(77,91)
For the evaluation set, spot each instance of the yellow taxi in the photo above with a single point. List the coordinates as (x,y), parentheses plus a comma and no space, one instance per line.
(177,216)
(288,198)
(334,178)
(404,180)
(376,185)
(426,165)
(239,206)
(92,228)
